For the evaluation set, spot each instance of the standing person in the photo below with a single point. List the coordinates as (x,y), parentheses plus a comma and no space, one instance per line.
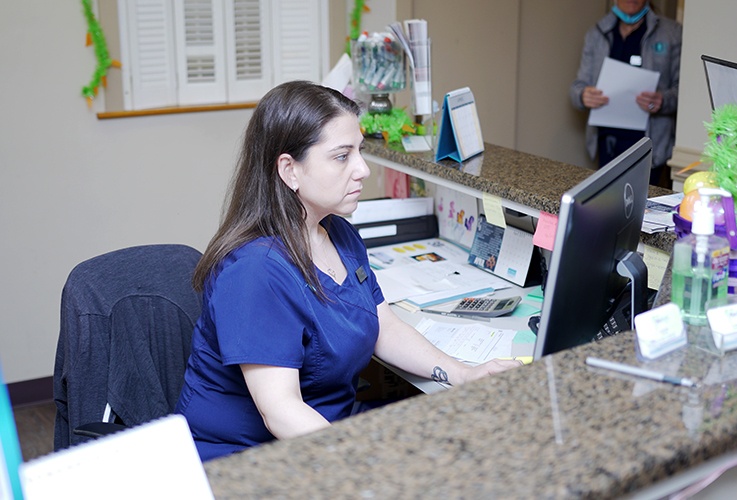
(634,34)
(292,311)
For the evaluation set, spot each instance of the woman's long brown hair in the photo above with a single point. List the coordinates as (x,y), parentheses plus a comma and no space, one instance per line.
(289,119)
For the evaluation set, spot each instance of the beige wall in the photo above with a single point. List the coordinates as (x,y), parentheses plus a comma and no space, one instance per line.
(708,28)
(72,186)
(550,50)
(475,44)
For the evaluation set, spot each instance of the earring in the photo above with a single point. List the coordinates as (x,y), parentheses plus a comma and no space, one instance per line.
(294,188)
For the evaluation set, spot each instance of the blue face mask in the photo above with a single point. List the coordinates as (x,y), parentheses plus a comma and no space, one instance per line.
(625,18)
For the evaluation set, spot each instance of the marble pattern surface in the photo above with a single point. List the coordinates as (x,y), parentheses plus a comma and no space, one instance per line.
(554,429)
(527,179)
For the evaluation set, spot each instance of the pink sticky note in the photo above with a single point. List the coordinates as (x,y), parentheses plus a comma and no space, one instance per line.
(544,236)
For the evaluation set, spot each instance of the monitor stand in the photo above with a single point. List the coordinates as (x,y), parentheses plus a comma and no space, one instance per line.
(632,266)
(634,299)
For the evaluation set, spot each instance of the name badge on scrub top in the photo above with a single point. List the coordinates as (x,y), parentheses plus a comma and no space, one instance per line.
(636,61)
(361,274)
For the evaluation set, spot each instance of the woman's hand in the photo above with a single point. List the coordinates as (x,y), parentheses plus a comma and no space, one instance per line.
(489,368)
(650,102)
(402,346)
(593,98)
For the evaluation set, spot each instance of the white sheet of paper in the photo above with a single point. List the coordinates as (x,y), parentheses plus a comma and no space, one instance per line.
(415,143)
(155,460)
(427,283)
(340,76)
(475,343)
(622,83)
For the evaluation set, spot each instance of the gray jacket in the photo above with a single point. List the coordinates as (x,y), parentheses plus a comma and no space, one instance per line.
(661,51)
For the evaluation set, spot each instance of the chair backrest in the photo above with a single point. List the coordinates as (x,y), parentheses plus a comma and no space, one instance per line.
(126,327)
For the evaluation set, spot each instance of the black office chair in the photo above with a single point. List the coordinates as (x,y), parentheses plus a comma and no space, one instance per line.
(126,327)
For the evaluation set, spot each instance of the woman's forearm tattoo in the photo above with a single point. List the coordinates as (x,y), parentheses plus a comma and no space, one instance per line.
(439,375)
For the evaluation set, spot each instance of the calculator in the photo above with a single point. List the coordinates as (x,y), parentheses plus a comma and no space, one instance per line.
(485,307)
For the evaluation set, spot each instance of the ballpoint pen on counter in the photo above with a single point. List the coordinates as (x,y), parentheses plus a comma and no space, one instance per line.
(638,372)
(444,313)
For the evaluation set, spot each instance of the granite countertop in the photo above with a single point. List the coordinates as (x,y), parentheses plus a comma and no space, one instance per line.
(553,429)
(529,180)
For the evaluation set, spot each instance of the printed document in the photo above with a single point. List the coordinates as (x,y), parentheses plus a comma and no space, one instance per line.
(429,272)
(622,83)
(473,342)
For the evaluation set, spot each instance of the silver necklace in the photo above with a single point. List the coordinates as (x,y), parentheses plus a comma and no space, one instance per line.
(329,269)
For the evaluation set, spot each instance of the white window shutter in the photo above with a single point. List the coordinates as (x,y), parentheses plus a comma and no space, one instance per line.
(200,42)
(297,40)
(248,51)
(147,53)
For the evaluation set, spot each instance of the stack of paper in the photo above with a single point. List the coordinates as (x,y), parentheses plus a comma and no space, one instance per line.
(429,272)
(659,213)
(472,342)
(416,43)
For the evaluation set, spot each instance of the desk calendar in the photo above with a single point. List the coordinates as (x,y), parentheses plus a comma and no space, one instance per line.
(460,132)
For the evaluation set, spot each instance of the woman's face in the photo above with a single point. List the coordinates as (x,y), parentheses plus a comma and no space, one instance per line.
(330,178)
(631,7)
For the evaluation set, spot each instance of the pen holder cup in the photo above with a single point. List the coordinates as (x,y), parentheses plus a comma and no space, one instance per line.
(378,67)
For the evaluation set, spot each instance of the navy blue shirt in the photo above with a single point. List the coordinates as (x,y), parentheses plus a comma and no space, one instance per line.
(615,141)
(258,309)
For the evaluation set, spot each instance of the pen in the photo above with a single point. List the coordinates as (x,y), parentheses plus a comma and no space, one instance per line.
(444,313)
(638,372)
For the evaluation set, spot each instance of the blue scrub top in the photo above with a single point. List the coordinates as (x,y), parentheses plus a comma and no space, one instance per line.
(258,309)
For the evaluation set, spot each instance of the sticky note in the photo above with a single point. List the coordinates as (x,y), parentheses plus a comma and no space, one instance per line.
(544,236)
(536,293)
(524,310)
(526,360)
(656,262)
(524,337)
(493,210)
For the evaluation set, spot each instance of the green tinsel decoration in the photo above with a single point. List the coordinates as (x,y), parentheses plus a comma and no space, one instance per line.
(96,37)
(721,149)
(392,125)
(355,31)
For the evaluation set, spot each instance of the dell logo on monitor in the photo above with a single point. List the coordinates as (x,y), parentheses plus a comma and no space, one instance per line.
(629,200)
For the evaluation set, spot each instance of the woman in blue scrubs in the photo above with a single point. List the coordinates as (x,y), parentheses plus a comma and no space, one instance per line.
(292,311)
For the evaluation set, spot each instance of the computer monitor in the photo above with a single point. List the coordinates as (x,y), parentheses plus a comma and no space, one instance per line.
(594,258)
(721,79)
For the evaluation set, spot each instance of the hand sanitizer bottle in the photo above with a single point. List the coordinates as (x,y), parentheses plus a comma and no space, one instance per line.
(700,267)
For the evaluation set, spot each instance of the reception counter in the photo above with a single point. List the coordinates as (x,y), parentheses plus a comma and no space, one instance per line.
(553,429)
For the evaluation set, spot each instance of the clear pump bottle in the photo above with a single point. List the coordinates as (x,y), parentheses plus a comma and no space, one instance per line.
(700,267)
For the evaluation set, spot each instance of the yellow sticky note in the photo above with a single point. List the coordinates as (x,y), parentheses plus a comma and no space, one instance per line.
(493,210)
(656,262)
(526,360)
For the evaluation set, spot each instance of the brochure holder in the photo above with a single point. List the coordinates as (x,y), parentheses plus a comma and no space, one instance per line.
(460,135)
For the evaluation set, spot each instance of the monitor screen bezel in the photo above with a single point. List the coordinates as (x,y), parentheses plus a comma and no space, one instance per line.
(709,83)
(638,157)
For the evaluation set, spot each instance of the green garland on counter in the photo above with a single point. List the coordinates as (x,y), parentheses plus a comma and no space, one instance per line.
(392,126)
